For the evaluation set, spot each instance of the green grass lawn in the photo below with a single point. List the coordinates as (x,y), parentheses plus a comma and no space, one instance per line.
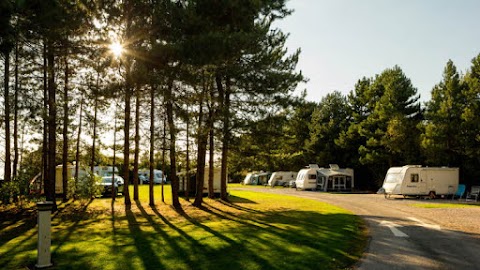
(253,231)
(444,205)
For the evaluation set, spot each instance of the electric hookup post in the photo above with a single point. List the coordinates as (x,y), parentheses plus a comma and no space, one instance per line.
(44,234)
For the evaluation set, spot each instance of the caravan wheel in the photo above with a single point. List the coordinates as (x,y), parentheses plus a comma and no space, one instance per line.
(432,195)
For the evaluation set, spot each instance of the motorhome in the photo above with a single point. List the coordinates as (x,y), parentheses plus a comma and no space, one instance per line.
(281,178)
(415,180)
(333,178)
(191,178)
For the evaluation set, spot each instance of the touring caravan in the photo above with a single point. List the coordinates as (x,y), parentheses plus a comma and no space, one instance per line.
(183,181)
(415,180)
(335,178)
(325,179)
(281,178)
(257,178)
(307,178)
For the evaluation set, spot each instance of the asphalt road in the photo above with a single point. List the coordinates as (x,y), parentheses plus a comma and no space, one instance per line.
(403,236)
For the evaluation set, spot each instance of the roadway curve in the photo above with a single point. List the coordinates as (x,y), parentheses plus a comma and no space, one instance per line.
(403,236)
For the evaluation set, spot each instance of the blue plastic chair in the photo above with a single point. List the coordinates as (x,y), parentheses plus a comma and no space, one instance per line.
(460,191)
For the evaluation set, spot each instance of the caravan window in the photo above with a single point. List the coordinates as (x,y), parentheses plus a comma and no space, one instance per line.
(414,177)
(312,176)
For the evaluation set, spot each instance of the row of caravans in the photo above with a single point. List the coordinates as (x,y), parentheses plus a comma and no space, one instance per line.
(36,185)
(313,177)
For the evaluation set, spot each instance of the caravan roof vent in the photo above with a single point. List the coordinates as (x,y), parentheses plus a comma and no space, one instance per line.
(313,166)
(334,166)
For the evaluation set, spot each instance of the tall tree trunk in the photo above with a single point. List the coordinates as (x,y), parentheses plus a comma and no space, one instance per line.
(65,132)
(137,143)
(15,114)
(77,154)
(171,127)
(94,139)
(211,122)
(201,153)
(187,184)
(128,10)
(211,191)
(114,194)
(45,119)
(164,149)
(52,126)
(126,149)
(152,145)
(8,164)
(224,95)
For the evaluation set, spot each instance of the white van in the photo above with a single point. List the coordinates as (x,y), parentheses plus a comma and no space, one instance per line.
(158,175)
(415,180)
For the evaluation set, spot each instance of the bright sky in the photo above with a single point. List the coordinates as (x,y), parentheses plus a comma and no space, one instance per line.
(345,40)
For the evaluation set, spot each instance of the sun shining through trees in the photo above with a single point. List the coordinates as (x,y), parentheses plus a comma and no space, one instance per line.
(116,48)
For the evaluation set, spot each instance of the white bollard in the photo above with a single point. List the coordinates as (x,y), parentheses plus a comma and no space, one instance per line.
(44,234)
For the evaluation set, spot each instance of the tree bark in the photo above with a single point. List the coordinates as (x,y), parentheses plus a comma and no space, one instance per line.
(202,151)
(187,175)
(8,164)
(171,126)
(137,143)
(77,154)
(52,126)
(152,145)
(15,114)
(45,119)
(211,191)
(164,149)
(65,132)
(225,100)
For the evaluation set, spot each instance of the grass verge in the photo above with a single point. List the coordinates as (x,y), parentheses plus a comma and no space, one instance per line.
(444,205)
(252,231)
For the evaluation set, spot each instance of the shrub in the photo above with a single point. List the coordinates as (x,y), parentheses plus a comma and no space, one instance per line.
(8,191)
(88,185)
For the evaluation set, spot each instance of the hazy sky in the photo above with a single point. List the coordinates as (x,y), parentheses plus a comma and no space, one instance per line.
(345,40)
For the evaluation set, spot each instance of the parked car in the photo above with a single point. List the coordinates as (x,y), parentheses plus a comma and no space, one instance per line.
(106,183)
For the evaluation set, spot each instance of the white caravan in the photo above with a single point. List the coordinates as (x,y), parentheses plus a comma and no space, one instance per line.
(281,178)
(415,180)
(335,178)
(248,179)
(256,178)
(325,179)
(183,181)
(307,178)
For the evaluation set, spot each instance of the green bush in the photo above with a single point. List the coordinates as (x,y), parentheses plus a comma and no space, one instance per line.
(88,186)
(9,191)
(71,188)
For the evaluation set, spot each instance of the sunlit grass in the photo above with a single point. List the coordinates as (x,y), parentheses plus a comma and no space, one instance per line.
(444,205)
(254,231)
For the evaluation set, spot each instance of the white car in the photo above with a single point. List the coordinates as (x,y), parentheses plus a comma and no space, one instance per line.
(106,182)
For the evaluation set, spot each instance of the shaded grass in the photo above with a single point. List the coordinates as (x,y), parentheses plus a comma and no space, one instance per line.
(252,231)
